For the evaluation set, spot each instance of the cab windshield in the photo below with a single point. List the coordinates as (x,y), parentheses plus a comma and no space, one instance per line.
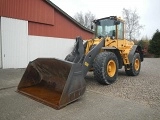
(105,27)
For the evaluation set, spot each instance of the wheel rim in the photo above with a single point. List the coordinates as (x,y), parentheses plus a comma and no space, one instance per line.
(136,64)
(111,68)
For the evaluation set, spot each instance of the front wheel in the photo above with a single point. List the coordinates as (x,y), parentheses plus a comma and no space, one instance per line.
(135,66)
(106,68)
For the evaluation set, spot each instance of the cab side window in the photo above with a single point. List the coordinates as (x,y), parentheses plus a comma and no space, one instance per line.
(121,31)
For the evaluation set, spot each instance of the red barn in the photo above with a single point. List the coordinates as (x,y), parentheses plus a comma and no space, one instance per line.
(35,28)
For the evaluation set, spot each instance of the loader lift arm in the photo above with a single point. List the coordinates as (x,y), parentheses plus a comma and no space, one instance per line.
(77,53)
(78,56)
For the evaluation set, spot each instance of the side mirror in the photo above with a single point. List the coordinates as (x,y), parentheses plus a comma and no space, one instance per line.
(91,27)
(114,33)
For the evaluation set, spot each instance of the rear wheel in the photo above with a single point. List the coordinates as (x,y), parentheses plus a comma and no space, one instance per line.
(106,68)
(135,66)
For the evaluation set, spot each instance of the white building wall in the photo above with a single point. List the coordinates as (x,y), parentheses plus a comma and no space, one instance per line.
(14,42)
(0,46)
(49,47)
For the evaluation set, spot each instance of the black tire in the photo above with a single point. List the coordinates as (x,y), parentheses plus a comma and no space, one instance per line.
(106,68)
(135,66)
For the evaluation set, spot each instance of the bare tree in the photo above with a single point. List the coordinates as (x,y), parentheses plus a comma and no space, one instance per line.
(85,19)
(132,23)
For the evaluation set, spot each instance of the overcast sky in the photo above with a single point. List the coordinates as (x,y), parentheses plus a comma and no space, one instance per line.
(148,10)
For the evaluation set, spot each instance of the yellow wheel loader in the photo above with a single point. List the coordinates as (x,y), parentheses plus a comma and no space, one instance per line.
(57,82)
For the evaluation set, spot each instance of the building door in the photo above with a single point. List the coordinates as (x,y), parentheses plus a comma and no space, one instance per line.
(0,46)
(14,42)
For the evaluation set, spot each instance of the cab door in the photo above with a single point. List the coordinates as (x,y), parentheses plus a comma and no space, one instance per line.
(120,35)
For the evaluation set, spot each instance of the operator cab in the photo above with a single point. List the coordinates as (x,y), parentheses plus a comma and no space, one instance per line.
(109,27)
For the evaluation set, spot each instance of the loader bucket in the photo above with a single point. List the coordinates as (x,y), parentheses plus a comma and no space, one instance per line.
(53,82)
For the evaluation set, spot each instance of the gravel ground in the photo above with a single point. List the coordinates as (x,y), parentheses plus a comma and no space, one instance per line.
(144,88)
